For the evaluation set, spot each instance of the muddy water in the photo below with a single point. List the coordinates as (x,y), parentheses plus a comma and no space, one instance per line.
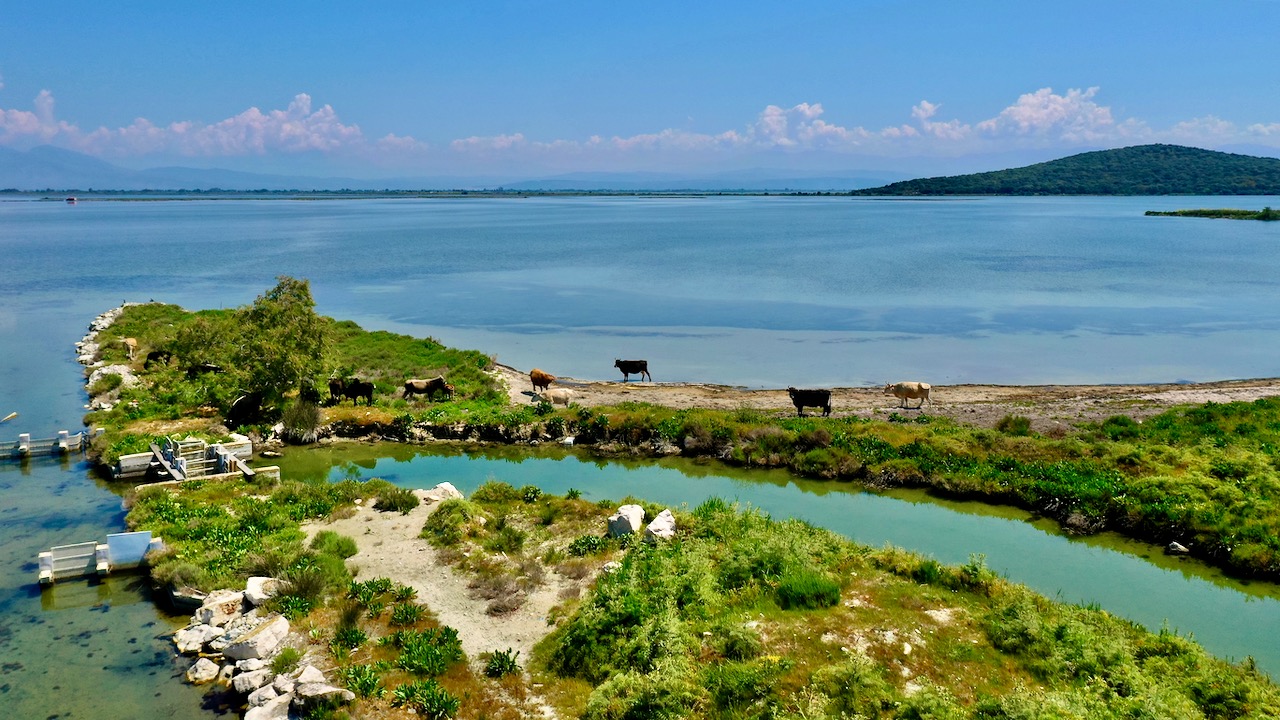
(1233,619)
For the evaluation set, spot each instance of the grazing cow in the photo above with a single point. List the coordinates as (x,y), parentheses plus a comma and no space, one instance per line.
(913,390)
(245,409)
(354,388)
(336,387)
(428,388)
(199,369)
(131,345)
(633,367)
(810,398)
(559,396)
(157,356)
(541,380)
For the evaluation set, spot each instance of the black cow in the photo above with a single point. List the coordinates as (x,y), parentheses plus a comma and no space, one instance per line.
(810,398)
(245,410)
(158,356)
(354,388)
(633,367)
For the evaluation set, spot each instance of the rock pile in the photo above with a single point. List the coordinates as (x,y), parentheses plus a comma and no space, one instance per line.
(628,519)
(236,640)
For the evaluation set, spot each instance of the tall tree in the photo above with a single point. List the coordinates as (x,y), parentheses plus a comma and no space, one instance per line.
(282,340)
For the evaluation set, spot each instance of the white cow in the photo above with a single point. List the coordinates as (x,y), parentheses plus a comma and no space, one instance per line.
(558,396)
(912,390)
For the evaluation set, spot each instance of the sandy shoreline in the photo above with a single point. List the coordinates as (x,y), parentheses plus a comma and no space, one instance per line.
(1048,406)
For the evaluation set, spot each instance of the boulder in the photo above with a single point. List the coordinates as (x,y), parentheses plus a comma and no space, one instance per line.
(258,590)
(220,607)
(308,674)
(626,521)
(439,493)
(259,642)
(262,696)
(309,695)
(235,629)
(277,708)
(202,671)
(250,665)
(191,639)
(663,527)
(247,682)
(284,684)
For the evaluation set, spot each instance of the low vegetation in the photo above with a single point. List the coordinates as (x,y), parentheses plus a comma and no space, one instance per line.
(739,616)
(1265,213)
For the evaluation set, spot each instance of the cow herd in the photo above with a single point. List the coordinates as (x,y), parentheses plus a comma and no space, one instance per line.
(814,398)
(356,389)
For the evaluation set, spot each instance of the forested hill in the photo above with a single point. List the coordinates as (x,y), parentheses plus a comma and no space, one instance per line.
(1138,170)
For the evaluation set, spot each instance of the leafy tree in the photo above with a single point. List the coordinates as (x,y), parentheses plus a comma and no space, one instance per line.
(281,340)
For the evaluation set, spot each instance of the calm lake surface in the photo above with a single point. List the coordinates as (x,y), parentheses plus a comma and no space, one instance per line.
(749,291)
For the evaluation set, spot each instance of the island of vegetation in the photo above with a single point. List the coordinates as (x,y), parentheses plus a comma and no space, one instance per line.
(1138,170)
(736,615)
(1265,214)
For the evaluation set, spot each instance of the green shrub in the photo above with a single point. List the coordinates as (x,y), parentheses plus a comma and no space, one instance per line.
(636,696)
(1014,425)
(807,589)
(1120,427)
(286,660)
(530,493)
(584,545)
(406,613)
(736,642)
(501,663)
(855,687)
(495,492)
(363,680)
(427,698)
(735,684)
(572,494)
(427,652)
(396,499)
(331,543)
(106,383)
(348,637)
(450,521)
(301,421)
(403,593)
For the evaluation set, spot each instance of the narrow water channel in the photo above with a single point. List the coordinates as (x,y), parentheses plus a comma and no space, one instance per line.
(1231,618)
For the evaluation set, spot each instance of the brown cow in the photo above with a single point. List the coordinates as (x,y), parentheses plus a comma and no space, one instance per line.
(541,380)
(428,387)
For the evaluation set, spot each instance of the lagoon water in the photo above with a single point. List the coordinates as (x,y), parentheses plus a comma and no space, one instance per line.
(753,291)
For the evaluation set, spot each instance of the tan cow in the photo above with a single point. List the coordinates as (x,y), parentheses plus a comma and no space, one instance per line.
(130,344)
(913,390)
(559,396)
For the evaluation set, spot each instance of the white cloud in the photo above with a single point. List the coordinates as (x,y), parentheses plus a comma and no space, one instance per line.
(1039,119)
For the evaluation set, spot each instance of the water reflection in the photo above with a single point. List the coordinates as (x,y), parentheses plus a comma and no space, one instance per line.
(1231,618)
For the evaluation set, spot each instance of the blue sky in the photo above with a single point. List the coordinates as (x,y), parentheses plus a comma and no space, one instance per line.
(539,88)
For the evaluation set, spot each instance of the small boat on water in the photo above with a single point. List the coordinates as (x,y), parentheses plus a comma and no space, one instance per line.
(71,200)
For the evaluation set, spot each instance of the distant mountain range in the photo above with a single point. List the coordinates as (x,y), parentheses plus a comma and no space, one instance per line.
(1137,170)
(58,170)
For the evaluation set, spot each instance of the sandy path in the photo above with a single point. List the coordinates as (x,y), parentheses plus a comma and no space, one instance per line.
(983,405)
(389,546)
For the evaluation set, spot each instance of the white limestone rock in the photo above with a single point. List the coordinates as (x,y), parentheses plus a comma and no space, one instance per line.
(259,642)
(663,527)
(220,607)
(191,639)
(258,590)
(440,493)
(202,671)
(308,695)
(284,684)
(262,696)
(251,664)
(277,708)
(308,674)
(626,521)
(247,682)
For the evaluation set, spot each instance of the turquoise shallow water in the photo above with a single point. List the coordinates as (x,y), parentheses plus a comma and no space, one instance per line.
(748,291)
